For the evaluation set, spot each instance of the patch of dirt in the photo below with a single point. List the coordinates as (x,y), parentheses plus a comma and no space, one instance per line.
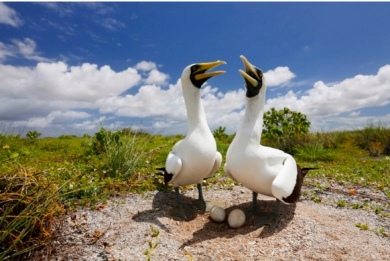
(122,229)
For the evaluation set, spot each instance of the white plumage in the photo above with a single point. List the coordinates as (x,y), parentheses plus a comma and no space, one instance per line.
(262,169)
(195,157)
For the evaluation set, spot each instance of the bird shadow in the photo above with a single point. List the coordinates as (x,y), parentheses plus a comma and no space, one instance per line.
(213,230)
(164,200)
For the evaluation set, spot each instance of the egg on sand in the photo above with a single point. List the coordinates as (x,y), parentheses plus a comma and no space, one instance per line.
(217,214)
(236,218)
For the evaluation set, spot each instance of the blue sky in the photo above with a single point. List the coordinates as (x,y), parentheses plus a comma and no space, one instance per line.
(70,68)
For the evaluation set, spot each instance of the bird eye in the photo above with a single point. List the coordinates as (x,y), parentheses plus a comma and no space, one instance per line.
(194,68)
(259,72)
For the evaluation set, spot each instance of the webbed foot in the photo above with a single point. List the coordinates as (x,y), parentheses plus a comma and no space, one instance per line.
(262,219)
(200,204)
(271,219)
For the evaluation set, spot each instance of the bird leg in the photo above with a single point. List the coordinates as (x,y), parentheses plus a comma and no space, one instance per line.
(254,203)
(181,209)
(200,203)
(268,219)
(252,210)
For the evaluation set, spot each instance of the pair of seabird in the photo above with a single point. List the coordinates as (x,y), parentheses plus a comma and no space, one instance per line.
(262,169)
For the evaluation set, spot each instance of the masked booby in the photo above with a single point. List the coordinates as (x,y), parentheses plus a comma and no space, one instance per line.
(195,157)
(262,169)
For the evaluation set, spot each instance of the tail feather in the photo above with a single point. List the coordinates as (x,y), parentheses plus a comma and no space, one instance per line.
(298,185)
(306,170)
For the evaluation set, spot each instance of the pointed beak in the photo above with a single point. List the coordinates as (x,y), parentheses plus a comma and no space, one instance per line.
(202,73)
(249,69)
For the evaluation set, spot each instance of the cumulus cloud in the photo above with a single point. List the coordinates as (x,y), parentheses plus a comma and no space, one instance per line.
(51,95)
(145,66)
(149,101)
(59,81)
(153,75)
(34,96)
(9,16)
(278,76)
(346,96)
(57,118)
(54,97)
(156,77)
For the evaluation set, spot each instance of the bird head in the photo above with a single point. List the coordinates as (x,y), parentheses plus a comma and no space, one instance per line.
(198,73)
(254,78)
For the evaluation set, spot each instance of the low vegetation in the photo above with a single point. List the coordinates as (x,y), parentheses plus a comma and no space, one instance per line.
(43,178)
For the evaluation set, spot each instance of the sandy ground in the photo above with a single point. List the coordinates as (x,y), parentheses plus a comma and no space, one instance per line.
(125,228)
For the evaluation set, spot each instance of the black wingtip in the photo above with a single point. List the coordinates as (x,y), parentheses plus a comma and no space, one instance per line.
(167,176)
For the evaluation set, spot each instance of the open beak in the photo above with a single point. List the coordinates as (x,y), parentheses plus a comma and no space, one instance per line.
(249,70)
(202,74)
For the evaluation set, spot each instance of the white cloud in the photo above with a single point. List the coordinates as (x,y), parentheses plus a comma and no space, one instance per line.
(154,76)
(90,125)
(331,123)
(354,113)
(279,76)
(157,77)
(27,50)
(9,16)
(24,48)
(150,101)
(85,83)
(60,8)
(54,97)
(145,66)
(32,94)
(346,96)
(5,52)
(56,117)
(112,24)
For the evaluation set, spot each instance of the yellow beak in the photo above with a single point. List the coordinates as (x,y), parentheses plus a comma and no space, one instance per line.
(248,67)
(201,72)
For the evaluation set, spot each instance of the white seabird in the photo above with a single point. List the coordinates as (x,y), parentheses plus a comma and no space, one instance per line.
(262,169)
(195,157)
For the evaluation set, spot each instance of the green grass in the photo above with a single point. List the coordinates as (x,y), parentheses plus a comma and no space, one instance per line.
(153,243)
(41,178)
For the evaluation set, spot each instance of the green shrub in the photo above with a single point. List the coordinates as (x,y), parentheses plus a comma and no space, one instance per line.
(33,135)
(219,133)
(284,129)
(375,139)
(121,152)
(284,122)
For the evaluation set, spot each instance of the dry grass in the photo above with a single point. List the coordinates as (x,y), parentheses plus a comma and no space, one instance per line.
(28,207)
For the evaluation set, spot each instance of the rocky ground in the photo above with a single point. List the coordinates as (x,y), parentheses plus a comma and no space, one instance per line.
(326,224)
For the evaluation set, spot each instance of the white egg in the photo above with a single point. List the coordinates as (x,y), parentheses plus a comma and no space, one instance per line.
(217,214)
(236,218)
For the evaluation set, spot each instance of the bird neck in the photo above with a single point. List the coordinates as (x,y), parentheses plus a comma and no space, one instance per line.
(252,124)
(196,115)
